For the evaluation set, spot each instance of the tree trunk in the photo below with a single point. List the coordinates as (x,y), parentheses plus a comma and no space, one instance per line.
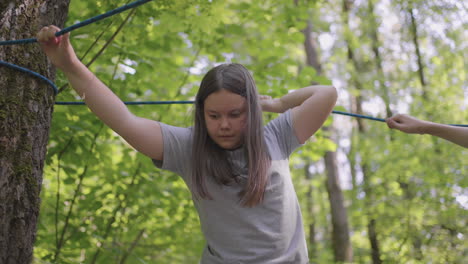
(311,210)
(26,105)
(414,35)
(416,238)
(378,58)
(341,241)
(361,128)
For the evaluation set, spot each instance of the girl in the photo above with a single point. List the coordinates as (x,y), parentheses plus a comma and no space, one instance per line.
(236,169)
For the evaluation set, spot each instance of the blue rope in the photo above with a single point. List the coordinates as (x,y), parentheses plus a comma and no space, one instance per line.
(35,74)
(134,103)
(358,115)
(80,24)
(191,102)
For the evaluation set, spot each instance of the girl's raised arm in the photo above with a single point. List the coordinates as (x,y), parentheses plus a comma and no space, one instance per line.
(310,108)
(143,134)
(412,125)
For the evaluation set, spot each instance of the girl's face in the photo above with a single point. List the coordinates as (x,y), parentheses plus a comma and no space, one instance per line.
(225,116)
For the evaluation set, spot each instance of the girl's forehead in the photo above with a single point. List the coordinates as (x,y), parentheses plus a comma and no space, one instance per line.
(224,100)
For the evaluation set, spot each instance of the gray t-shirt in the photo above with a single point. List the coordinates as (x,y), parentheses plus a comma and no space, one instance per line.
(269,233)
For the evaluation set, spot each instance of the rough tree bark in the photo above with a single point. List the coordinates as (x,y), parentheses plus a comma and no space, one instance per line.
(26,106)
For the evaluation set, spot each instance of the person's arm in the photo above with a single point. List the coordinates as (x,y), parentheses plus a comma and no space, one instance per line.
(143,134)
(310,108)
(412,125)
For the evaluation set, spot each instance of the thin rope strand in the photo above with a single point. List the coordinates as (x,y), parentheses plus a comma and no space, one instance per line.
(133,103)
(35,74)
(191,102)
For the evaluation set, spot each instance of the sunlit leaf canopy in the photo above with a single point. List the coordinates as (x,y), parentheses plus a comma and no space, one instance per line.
(103,202)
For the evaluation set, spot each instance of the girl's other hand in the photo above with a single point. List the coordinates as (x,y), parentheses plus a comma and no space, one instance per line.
(270,104)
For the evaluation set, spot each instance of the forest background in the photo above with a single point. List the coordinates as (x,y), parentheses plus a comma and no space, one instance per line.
(368,194)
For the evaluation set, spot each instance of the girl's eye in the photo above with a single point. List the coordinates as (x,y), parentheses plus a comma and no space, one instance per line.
(213,116)
(235,115)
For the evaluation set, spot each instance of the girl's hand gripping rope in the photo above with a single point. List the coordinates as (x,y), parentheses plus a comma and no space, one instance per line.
(58,49)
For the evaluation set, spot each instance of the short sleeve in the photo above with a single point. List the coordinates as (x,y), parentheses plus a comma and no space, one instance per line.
(177,149)
(280,136)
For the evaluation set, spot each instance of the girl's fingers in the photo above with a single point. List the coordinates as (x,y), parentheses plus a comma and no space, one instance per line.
(47,35)
(57,40)
(44,34)
(41,34)
(51,35)
(390,123)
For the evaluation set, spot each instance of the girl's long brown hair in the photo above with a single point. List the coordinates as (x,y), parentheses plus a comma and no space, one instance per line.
(210,159)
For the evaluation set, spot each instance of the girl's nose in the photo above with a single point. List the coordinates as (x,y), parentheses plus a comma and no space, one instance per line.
(225,123)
